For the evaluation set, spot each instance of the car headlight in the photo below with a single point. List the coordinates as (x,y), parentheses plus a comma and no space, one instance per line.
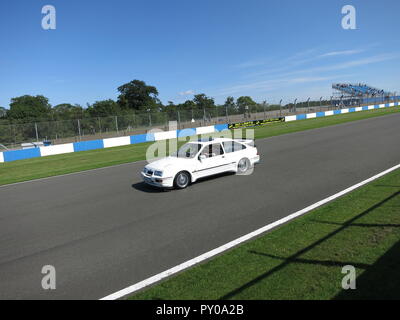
(158,173)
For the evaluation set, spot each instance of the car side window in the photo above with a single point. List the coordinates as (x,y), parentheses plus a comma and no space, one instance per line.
(232,146)
(212,150)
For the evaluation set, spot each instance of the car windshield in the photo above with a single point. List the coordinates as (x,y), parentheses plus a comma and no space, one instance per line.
(188,150)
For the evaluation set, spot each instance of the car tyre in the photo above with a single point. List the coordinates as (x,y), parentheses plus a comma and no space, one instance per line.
(243,165)
(182,180)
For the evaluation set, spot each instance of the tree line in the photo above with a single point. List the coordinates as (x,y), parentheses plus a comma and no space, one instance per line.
(135,96)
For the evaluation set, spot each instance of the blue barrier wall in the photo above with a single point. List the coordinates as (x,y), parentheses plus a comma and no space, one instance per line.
(9,156)
(21,154)
(341,111)
(88,145)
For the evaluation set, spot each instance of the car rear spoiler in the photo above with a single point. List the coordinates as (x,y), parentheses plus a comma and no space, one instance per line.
(247,142)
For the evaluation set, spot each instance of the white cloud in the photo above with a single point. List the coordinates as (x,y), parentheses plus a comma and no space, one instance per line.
(353,63)
(340,53)
(343,65)
(301,58)
(269,85)
(187,93)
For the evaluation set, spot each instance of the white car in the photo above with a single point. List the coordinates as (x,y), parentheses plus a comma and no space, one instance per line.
(200,159)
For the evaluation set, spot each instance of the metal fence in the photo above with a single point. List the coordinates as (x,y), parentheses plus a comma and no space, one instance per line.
(66,131)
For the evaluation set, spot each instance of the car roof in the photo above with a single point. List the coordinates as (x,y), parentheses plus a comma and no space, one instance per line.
(213,140)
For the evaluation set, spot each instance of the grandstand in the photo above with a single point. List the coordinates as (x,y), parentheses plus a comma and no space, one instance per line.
(351,94)
(359,90)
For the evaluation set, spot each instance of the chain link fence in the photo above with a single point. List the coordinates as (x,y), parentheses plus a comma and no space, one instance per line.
(67,131)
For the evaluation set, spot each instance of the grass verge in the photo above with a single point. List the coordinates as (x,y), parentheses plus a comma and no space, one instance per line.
(304,258)
(23,170)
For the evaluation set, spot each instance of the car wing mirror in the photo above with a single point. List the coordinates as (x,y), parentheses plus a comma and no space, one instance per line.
(202,157)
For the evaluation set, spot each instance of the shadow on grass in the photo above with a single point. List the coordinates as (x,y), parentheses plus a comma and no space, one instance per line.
(381,281)
(295,258)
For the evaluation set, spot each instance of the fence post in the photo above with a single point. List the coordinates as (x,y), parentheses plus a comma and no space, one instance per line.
(320,104)
(179,120)
(264,103)
(98,120)
(12,131)
(37,135)
(79,130)
(150,124)
(116,123)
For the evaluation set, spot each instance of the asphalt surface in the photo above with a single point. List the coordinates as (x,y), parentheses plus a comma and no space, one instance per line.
(103,230)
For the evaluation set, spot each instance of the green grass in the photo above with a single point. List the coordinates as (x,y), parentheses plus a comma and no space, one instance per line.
(23,170)
(304,258)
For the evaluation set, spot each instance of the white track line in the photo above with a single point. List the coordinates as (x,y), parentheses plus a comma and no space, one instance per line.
(229,245)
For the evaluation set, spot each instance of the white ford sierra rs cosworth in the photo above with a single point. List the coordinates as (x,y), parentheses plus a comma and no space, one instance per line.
(200,159)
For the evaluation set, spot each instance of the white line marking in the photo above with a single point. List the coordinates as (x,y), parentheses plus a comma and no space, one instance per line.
(185,265)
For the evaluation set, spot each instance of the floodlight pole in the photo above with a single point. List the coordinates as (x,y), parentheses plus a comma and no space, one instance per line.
(280,108)
(295,105)
(308,105)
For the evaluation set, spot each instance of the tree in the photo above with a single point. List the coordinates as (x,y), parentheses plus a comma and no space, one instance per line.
(137,95)
(3,112)
(104,108)
(29,108)
(188,105)
(66,111)
(203,102)
(245,104)
(230,104)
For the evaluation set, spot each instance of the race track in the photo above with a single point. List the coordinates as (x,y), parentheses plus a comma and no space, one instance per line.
(104,230)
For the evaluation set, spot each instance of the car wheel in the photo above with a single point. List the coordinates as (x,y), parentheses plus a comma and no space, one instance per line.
(182,180)
(243,165)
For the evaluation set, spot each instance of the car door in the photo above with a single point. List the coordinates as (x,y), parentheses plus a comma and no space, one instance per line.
(234,151)
(213,161)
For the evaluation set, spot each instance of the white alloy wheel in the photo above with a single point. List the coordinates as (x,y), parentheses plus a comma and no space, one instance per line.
(182,180)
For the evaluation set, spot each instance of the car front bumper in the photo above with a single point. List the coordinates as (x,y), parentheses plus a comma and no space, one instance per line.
(159,182)
(255,160)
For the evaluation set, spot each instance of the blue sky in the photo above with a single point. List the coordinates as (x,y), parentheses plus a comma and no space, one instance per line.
(268,49)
